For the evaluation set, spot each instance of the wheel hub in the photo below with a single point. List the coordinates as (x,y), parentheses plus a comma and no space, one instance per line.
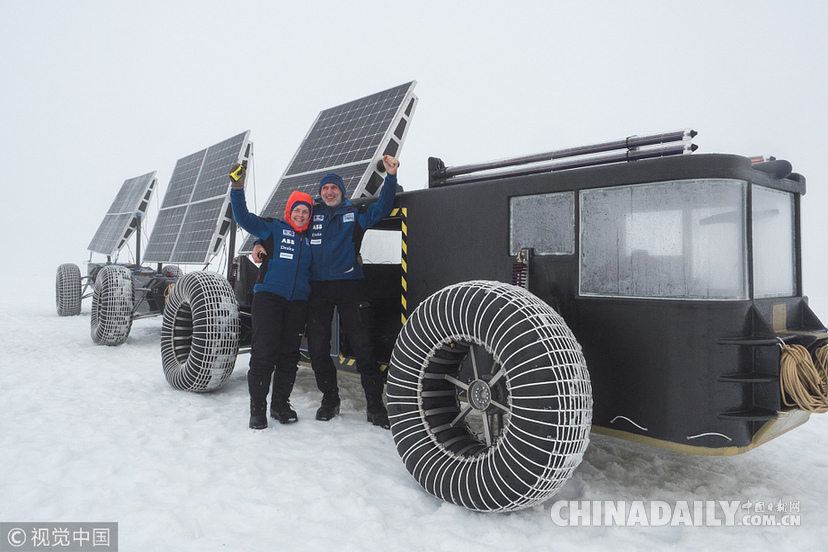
(480,395)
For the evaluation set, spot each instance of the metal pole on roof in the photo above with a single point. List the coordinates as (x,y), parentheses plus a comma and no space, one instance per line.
(575,163)
(439,174)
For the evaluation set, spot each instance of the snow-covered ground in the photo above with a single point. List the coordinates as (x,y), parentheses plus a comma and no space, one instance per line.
(91,433)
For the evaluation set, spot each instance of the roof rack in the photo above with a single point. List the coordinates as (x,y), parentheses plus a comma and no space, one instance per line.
(632,148)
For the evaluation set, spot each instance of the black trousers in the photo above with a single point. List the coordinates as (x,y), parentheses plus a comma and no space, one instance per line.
(278,325)
(349,298)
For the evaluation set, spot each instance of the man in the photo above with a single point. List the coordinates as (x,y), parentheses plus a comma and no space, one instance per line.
(337,281)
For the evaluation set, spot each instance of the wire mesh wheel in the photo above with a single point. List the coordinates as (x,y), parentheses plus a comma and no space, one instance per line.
(489,397)
(200,333)
(68,290)
(173,271)
(112,305)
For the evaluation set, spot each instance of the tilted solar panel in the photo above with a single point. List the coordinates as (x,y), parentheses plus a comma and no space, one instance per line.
(165,234)
(195,214)
(198,230)
(347,139)
(183,179)
(123,216)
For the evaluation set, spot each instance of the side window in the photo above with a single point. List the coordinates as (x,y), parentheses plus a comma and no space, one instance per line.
(545,222)
(382,247)
(774,243)
(678,239)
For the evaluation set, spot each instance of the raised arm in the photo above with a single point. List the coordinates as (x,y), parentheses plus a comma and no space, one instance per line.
(244,218)
(385,203)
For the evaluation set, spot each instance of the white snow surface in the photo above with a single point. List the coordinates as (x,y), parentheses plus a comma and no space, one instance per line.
(93,433)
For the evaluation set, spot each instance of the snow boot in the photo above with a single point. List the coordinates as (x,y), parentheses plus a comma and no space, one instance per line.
(379,417)
(329,407)
(258,414)
(377,414)
(281,410)
(258,388)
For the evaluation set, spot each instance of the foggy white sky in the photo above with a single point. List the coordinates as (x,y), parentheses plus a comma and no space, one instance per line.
(95,92)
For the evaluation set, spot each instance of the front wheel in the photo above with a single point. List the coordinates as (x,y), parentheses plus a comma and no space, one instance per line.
(112,305)
(200,333)
(489,397)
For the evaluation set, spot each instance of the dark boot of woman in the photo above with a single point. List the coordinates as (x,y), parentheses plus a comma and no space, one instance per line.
(258,388)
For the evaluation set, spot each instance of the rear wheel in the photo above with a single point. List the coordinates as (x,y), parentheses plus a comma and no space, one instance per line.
(112,305)
(68,290)
(489,397)
(172,271)
(200,333)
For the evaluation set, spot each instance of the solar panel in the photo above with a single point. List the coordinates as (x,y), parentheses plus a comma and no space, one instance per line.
(347,139)
(165,233)
(195,214)
(122,218)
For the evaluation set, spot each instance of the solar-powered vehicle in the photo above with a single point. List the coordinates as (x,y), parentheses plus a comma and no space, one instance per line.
(623,288)
(120,293)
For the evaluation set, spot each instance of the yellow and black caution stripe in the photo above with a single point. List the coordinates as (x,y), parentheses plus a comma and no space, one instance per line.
(346,361)
(402,213)
(348,364)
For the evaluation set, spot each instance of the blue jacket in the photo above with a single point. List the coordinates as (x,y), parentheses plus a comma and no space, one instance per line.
(288,268)
(336,233)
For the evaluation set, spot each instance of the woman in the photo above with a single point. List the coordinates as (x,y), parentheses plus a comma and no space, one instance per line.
(280,302)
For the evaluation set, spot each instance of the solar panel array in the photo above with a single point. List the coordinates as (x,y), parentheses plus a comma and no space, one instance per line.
(123,216)
(196,214)
(349,140)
